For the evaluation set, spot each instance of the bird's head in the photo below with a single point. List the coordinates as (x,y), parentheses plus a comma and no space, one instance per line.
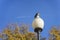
(36,15)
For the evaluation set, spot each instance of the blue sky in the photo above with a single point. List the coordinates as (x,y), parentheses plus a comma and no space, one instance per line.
(18,11)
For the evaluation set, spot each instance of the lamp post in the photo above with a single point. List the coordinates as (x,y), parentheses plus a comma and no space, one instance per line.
(38,25)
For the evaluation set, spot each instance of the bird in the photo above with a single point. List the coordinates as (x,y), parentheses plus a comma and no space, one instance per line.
(38,23)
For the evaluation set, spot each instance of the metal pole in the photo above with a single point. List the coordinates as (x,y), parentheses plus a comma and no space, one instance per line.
(38,35)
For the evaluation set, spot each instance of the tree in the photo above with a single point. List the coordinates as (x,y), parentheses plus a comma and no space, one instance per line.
(54,34)
(15,32)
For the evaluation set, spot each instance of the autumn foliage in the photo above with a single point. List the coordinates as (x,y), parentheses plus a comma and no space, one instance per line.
(54,33)
(20,32)
(15,32)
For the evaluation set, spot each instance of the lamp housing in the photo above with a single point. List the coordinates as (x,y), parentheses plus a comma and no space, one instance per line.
(38,23)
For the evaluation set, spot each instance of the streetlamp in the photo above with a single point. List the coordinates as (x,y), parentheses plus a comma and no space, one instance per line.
(38,25)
